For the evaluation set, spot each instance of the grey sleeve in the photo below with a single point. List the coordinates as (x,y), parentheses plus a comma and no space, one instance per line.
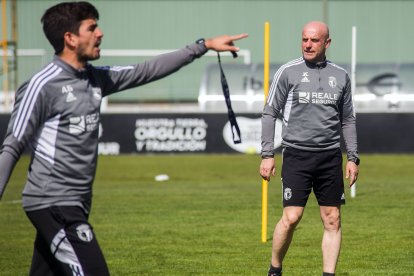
(268,131)
(7,163)
(349,123)
(120,78)
(274,104)
(27,115)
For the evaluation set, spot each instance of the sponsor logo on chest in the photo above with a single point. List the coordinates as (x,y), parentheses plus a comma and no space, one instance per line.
(86,123)
(318,97)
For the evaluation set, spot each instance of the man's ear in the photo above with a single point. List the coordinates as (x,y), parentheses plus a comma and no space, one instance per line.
(70,39)
(327,43)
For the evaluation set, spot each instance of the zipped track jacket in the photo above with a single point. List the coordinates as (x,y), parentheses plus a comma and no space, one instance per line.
(57,114)
(315,104)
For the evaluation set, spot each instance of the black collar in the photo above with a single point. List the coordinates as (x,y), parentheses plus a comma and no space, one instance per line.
(321,64)
(79,73)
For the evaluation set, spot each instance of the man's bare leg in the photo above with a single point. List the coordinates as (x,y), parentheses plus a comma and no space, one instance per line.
(331,241)
(282,236)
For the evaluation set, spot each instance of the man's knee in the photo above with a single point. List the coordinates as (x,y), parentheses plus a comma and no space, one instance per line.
(291,218)
(331,219)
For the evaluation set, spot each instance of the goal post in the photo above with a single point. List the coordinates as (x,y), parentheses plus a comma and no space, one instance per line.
(353,82)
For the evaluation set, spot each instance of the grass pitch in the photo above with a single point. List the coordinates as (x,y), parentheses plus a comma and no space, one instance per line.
(206,219)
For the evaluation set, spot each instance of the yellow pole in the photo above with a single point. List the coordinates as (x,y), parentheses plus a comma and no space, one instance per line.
(5,60)
(266,91)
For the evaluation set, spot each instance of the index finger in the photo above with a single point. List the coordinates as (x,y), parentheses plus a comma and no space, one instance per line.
(352,180)
(239,36)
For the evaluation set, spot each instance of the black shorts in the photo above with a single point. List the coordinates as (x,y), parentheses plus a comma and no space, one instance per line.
(321,171)
(65,243)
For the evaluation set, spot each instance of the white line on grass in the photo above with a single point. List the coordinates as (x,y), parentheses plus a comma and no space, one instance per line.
(16,201)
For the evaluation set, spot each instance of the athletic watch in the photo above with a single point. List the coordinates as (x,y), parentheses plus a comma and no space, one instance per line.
(355,160)
(201,41)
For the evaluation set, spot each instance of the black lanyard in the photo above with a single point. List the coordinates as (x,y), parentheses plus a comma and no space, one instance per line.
(230,112)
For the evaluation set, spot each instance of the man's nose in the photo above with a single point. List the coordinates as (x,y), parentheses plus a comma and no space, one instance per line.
(99,32)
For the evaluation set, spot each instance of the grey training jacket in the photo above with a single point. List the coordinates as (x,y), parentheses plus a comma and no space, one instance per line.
(57,114)
(315,104)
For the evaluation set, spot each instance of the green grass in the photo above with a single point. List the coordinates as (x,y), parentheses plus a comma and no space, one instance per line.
(206,219)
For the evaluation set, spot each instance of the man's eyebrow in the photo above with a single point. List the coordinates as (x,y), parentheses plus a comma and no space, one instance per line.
(93,26)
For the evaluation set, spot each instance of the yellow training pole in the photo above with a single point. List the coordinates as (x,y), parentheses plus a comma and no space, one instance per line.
(266,91)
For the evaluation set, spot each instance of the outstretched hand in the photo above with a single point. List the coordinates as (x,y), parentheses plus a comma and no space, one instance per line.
(224,43)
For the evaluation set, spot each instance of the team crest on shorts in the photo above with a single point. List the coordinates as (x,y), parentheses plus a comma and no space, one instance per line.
(287,194)
(84,232)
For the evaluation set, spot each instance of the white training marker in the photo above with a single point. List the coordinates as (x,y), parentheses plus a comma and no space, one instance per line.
(162,177)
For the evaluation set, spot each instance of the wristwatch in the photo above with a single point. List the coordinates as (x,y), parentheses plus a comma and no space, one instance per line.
(201,41)
(355,160)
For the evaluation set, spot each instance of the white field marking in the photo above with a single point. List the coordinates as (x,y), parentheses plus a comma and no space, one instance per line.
(15,201)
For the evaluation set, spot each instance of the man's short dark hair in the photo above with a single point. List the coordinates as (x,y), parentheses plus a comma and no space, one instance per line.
(65,17)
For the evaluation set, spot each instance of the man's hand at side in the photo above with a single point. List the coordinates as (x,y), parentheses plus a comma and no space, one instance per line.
(352,171)
(267,168)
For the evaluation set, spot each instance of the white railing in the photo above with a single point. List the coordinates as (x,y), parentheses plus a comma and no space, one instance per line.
(7,97)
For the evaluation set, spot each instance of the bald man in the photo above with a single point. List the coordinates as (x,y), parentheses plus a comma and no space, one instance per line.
(313,98)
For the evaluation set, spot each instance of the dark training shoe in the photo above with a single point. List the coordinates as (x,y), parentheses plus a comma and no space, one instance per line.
(274,271)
